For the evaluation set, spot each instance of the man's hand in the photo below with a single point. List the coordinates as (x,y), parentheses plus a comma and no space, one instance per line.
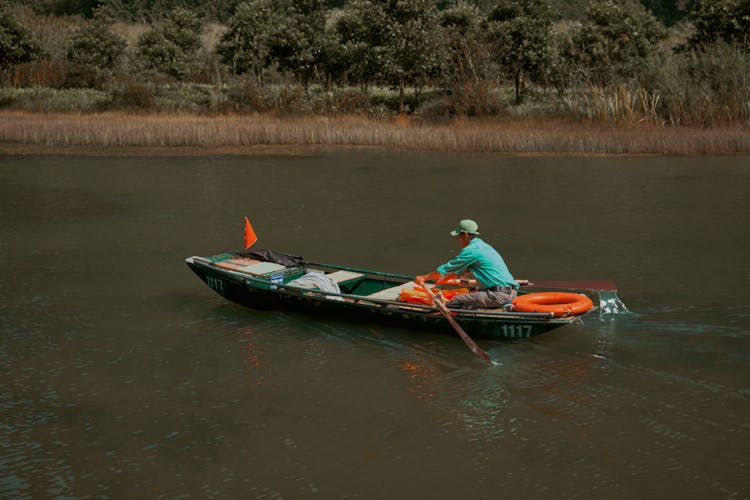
(446,278)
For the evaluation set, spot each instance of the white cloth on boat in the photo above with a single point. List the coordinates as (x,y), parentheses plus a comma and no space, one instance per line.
(317,279)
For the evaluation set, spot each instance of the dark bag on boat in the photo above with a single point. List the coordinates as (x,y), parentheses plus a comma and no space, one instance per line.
(275,257)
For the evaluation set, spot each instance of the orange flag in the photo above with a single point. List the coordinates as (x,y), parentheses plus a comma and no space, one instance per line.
(250,236)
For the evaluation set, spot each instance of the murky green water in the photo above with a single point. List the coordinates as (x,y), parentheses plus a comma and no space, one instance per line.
(123,375)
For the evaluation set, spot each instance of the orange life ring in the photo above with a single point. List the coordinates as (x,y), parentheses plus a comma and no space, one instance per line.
(560,303)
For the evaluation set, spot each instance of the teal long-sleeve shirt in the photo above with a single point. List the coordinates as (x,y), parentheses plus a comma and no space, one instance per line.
(482,260)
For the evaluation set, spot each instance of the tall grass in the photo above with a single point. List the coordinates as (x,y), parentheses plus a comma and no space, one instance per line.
(21,131)
(706,88)
(621,104)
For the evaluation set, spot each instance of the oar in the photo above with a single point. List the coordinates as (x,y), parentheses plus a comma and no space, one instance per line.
(439,302)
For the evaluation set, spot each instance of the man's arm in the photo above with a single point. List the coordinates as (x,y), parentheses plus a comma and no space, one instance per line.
(459,265)
(434,276)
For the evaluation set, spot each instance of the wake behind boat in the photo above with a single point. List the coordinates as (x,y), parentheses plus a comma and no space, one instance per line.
(326,290)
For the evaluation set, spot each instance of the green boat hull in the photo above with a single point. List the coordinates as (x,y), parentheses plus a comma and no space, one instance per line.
(357,302)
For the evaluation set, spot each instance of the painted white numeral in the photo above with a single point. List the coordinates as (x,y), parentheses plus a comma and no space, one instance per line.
(215,283)
(517,331)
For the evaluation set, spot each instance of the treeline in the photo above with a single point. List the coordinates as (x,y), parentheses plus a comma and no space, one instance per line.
(442,59)
(667,12)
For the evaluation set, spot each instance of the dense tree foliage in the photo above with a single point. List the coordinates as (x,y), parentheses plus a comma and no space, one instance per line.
(669,12)
(17,43)
(296,42)
(464,36)
(727,20)
(397,42)
(666,11)
(149,10)
(413,45)
(361,31)
(171,47)
(520,36)
(617,39)
(95,51)
(83,8)
(245,46)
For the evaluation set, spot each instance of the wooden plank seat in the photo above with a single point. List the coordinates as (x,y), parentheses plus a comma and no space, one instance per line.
(236,264)
(250,266)
(343,276)
(339,277)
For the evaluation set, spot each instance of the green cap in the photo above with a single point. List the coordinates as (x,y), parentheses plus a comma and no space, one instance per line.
(466,226)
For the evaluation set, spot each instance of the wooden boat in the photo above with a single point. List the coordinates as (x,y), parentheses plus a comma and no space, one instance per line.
(362,294)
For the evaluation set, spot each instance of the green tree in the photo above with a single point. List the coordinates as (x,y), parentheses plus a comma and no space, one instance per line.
(85,8)
(521,37)
(564,69)
(570,10)
(296,42)
(669,12)
(94,51)
(334,63)
(171,47)
(17,44)
(362,33)
(727,20)
(156,10)
(617,40)
(245,44)
(469,70)
(462,25)
(414,46)
(183,27)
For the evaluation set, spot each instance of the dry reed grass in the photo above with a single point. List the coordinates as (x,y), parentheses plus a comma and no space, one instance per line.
(113,130)
(623,105)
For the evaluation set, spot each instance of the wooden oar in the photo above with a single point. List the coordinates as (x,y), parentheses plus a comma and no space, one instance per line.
(438,299)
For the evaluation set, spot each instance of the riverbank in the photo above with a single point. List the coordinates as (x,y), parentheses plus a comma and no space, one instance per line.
(24,132)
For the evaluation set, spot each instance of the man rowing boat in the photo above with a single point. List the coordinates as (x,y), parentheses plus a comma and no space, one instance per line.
(496,285)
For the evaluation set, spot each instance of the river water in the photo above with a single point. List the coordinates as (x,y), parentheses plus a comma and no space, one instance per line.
(123,375)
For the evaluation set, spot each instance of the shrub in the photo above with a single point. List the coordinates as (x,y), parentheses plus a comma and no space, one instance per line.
(46,99)
(17,44)
(171,48)
(247,97)
(710,87)
(94,51)
(291,101)
(350,101)
(133,95)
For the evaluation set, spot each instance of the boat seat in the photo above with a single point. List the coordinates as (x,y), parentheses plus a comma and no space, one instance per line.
(344,276)
(235,264)
(249,266)
(391,293)
(340,277)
